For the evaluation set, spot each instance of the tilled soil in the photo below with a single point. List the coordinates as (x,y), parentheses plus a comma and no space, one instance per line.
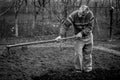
(52,63)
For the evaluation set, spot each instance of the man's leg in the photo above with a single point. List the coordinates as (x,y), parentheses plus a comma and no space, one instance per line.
(78,55)
(87,56)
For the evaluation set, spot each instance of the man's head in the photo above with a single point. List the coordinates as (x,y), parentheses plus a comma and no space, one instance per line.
(83,11)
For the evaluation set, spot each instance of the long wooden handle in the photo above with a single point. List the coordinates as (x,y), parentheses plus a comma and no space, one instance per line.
(37,42)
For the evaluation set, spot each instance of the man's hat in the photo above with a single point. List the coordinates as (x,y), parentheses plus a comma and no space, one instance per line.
(83,11)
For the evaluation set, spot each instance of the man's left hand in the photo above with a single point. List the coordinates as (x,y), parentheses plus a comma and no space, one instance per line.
(79,35)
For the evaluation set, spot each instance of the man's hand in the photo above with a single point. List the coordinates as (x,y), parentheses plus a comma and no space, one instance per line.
(58,38)
(79,35)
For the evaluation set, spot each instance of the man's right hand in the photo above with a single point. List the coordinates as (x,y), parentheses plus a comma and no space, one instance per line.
(58,38)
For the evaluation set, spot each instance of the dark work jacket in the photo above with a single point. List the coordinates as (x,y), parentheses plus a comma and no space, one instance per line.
(80,24)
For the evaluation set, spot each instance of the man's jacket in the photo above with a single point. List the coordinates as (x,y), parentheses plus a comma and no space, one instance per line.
(80,24)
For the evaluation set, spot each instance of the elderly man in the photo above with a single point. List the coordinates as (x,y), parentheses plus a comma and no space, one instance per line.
(82,21)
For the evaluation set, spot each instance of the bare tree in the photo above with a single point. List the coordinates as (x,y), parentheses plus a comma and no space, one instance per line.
(26,4)
(17,6)
(34,14)
(80,2)
(87,2)
(65,4)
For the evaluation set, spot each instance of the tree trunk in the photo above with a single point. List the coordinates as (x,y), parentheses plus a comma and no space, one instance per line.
(16,26)
(80,2)
(27,9)
(87,2)
(26,4)
(65,8)
(35,15)
(50,10)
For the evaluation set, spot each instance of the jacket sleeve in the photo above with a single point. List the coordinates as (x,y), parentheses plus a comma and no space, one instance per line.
(89,26)
(65,25)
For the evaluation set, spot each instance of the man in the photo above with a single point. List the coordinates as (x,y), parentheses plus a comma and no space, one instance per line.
(82,21)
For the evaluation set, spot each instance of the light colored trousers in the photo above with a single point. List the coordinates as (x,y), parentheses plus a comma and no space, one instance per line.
(83,53)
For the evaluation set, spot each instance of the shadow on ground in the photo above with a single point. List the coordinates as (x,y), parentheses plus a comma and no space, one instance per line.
(97,74)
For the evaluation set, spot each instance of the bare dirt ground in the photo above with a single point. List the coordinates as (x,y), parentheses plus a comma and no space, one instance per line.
(50,62)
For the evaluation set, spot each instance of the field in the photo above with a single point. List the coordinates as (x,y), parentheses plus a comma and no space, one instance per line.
(54,61)
(51,62)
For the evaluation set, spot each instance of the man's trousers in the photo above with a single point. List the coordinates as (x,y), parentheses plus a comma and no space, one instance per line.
(83,53)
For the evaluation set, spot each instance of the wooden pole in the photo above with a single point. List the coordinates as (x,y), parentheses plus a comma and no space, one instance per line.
(37,42)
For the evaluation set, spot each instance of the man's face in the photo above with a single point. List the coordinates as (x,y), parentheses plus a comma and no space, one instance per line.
(83,10)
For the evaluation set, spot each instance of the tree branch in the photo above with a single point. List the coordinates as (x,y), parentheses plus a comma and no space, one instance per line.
(1,14)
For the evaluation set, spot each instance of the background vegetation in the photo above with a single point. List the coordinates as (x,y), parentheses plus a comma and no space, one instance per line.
(43,17)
